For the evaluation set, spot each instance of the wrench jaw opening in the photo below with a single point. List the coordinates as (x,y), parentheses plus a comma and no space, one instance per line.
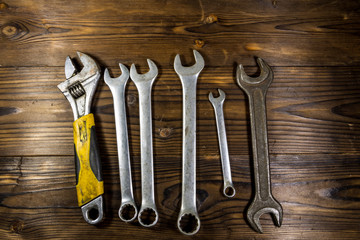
(144,78)
(188,222)
(219,100)
(258,208)
(263,81)
(119,81)
(192,71)
(93,211)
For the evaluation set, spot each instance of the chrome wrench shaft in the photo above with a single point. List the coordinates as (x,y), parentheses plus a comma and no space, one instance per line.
(188,210)
(228,189)
(148,215)
(127,210)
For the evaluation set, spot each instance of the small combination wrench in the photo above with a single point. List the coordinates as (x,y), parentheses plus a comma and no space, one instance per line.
(256,89)
(79,89)
(128,210)
(228,190)
(188,220)
(148,215)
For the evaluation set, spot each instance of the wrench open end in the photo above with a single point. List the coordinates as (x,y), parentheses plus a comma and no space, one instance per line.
(151,74)
(219,99)
(188,223)
(121,80)
(266,75)
(193,70)
(253,217)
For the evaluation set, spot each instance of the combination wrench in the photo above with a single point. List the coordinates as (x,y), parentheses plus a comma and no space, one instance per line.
(188,211)
(228,190)
(256,89)
(127,210)
(148,215)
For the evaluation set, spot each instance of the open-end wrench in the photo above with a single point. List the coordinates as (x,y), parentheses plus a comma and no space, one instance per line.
(79,89)
(128,210)
(188,220)
(148,215)
(256,89)
(228,190)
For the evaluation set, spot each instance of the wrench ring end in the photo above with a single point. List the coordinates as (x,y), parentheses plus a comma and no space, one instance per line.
(128,212)
(189,228)
(229,191)
(149,219)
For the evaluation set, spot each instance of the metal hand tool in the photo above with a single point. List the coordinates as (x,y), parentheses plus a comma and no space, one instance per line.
(228,190)
(148,215)
(256,89)
(188,220)
(128,210)
(79,89)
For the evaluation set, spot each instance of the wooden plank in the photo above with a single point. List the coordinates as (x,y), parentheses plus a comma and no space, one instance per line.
(285,33)
(319,194)
(310,110)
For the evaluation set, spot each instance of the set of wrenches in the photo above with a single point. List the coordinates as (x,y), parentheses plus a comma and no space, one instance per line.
(79,89)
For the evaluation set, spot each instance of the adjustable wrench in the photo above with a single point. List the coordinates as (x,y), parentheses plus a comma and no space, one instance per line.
(79,89)
(188,212)
(228,190)
(128,210)
(256,89)
(148,215)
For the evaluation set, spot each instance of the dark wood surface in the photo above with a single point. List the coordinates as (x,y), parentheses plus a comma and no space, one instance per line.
(313,108)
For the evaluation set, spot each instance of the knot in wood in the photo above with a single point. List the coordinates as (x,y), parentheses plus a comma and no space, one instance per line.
(165,132)
(13,30)
(131,99)
(212,18)
(3,6)
(17,226)
(199,43)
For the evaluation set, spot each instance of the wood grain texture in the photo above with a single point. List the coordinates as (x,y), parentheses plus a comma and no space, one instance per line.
(283,32)
(310,110)
(313,111)
(38,193)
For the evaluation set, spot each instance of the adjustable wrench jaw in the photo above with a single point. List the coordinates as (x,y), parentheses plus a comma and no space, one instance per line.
(79,88)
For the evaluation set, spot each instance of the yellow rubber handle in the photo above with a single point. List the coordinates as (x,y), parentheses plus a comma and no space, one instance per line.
(89,182)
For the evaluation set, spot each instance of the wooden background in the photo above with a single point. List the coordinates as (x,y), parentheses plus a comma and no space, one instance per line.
(313,111)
